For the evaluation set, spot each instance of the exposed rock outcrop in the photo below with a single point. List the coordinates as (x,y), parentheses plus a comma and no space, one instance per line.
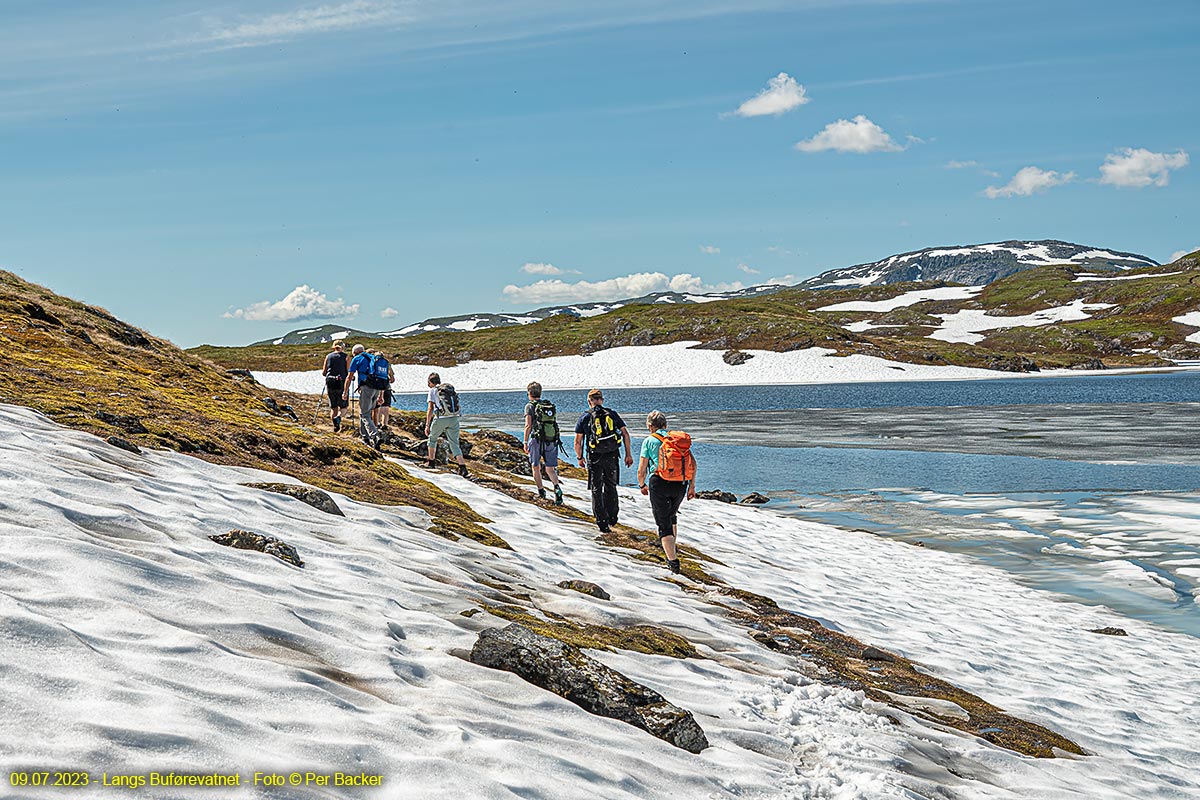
(585,587)
(246,540)
(570,673)
(755,499)
(305,494)
(718,495)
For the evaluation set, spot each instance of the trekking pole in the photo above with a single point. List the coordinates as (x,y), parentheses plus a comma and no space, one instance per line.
(317,410)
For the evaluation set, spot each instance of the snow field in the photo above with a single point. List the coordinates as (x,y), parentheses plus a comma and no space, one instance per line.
(132,642)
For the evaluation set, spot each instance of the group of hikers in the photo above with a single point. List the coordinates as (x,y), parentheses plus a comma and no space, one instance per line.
(666,467)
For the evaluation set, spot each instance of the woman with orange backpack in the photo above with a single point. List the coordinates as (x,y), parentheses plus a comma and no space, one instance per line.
(667,473)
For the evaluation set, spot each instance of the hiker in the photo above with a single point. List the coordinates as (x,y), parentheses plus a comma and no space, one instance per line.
(602,431)
(442,418)
(383,406)
(542,440)
(667,473)
(363,368)
(336,370)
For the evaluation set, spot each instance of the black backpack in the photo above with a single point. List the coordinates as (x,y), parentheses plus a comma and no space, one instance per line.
(449,398)
(545,421)
(603,435)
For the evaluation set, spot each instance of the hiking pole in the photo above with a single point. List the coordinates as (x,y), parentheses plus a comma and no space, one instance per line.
(317,410)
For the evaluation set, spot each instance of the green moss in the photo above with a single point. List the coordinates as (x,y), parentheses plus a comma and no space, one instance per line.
(637,638)
(73,362)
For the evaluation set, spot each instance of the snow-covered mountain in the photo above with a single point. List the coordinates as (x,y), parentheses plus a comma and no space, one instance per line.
(971,265)
(475,322)
(975,265)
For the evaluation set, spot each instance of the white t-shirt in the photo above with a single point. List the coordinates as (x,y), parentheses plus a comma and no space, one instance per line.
(438,409)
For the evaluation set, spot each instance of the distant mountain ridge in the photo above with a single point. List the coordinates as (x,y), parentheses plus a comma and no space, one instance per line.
(971,265)
(975,265)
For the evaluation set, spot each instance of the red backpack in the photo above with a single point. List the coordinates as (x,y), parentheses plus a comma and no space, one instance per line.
(675,461)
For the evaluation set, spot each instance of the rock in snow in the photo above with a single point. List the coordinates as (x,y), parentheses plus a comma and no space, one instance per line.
(246,540)
(305,494)
(570,673)
(585,587)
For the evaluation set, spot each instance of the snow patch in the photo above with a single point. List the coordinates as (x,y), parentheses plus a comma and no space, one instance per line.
(907,299)
(964,326)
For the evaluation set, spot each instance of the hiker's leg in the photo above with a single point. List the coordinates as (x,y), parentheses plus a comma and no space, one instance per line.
(549,453)
(366,408)
(553,473)
(451,429)
(668,546)
(535,462)
(612,476)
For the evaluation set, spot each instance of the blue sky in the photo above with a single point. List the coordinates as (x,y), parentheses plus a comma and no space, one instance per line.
(188,166)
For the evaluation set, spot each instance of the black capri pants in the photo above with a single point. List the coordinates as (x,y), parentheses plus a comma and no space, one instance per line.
(665,499)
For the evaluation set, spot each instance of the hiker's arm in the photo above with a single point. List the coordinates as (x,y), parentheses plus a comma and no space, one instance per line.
(579,448)
(691,490)
(643,468)
(428,418)
(528,428)
(628,449)
(349,380)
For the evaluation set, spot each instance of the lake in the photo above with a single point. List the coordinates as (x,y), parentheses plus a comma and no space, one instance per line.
(1085,486)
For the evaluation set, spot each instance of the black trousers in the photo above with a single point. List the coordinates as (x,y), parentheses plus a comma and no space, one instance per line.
(665,499)
(604,473)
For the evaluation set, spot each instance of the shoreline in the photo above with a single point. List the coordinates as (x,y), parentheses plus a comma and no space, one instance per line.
(677,365)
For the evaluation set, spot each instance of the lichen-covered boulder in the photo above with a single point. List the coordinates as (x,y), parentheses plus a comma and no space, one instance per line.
(755,499)
(246,540)
(570,673)
(585,587)
(718,495)
(305,494)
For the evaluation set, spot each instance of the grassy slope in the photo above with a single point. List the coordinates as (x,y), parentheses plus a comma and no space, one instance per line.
(74,362)
(788,321)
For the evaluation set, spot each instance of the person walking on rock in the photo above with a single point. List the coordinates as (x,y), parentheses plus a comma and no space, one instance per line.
(542,440)
(336,370)
(601,431)
(667,474)
(360,370)
(441,418)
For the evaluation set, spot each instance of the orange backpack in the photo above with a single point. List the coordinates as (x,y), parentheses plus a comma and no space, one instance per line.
(675,462)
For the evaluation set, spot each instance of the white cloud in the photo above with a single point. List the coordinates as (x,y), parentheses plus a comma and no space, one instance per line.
(709,249)
(538,268)
(781,96)
(783,280)
(389,313)
(1178,254)
(846,136)
(620,288)
(1030,180)
(952,164)
(298,22)
(749,270)
(1137,169)
(303,302)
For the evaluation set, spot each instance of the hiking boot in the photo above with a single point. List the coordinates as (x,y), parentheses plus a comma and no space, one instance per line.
(604,528)
(377,442)
(462,470)
(431,463)
(558,496)
(337,424)
(541,494)
(673,565)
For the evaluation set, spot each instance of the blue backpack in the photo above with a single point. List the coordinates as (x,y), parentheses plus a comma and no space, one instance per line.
(377,377)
